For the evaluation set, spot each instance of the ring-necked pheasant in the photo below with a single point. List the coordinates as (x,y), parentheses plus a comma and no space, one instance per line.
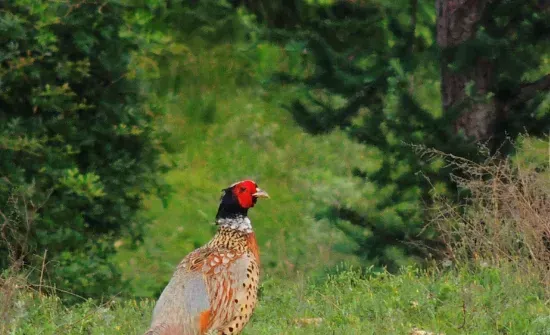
(214,288)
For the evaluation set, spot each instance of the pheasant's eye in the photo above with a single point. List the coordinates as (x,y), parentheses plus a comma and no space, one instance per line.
(243,189)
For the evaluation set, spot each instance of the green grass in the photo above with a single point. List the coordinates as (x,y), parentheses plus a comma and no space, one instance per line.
(222,132)
(486,301)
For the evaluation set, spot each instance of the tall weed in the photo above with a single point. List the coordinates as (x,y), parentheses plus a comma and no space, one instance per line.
(506,215)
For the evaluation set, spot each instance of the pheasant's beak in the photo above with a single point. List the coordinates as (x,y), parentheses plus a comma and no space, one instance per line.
(260,193)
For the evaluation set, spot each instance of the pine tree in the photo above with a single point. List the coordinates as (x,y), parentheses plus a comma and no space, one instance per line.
(377,76)
(489,49)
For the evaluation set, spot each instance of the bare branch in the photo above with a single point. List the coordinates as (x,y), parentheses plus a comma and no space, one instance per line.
(529,90)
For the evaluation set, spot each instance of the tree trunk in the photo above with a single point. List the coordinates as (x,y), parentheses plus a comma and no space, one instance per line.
(457,23)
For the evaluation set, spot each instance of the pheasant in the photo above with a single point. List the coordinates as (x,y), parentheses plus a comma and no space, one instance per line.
(214,288)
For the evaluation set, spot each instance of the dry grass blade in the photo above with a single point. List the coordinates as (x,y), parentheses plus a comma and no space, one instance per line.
(506,217)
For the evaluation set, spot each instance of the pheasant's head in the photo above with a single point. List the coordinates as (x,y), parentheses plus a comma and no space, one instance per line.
(239,197)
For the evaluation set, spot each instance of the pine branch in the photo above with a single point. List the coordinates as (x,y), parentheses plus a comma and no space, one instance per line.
(414,10)
(528,90)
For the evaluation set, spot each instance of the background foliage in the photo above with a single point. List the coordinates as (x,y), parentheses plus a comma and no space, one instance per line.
(324,103)
(79,148)
(384,92)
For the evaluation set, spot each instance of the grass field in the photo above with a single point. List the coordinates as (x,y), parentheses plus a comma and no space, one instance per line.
(485,301)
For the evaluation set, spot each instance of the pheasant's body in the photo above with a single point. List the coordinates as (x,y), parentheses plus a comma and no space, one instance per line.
(214,288)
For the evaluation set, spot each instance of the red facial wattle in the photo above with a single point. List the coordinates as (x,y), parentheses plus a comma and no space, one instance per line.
(244,193)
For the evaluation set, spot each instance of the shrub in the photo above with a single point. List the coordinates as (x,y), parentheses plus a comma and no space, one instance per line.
(78,148)
(506,216)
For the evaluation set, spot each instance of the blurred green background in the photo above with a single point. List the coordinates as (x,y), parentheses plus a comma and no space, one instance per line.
(121,121)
